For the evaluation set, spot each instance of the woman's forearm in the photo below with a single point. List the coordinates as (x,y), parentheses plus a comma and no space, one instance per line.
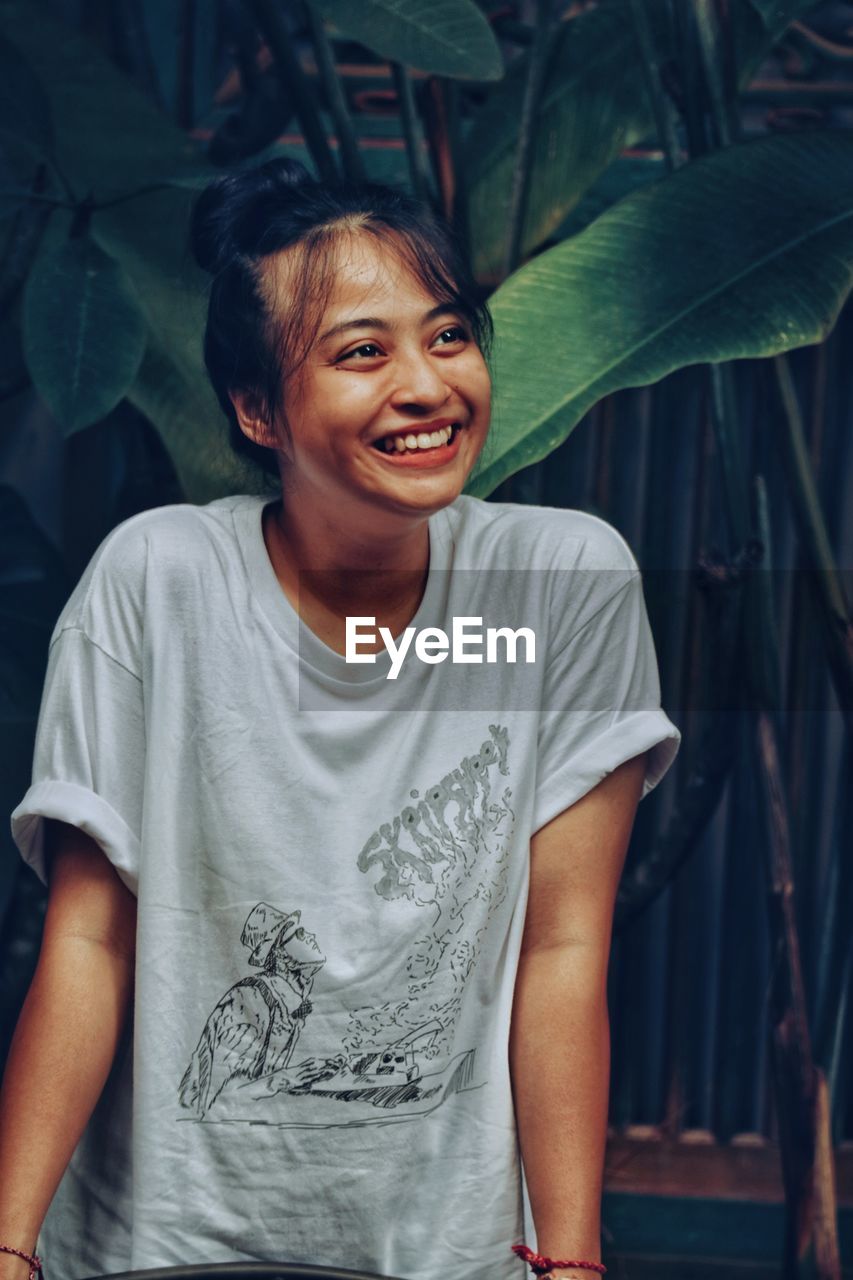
(61,1054)
(560,1064)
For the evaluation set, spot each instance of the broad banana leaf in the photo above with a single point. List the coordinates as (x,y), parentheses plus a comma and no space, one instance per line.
(446,37)
(593,105)
(743,253)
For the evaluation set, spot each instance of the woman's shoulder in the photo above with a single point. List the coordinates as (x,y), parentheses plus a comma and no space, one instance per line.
(164,528)
(142,556)
(520,535)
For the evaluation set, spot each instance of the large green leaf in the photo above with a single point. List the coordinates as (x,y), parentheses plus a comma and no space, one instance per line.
(112,141)
(446,37)
(743,253)
(84,334)
(593,105)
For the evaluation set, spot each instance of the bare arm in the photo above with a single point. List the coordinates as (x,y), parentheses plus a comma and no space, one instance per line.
(67,1034)
(560,1037)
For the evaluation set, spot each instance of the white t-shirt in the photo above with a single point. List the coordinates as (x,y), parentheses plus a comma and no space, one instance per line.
(331,870)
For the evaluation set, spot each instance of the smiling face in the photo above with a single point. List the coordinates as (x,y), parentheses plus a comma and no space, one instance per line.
(388,359)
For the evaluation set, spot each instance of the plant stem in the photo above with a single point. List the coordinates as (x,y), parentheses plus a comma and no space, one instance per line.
(353,165)
(289,70)
(832,608)
(769,675)
(690,77)
(524,153)
(658,101)
(713,53)
(412,131)
(724,418)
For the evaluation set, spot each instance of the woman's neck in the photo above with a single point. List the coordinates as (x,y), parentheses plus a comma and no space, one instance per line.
(318,538)
(328,579)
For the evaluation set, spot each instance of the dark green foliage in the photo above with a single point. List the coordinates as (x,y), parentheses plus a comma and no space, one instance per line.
(84,332)
(741,254)
(448,37)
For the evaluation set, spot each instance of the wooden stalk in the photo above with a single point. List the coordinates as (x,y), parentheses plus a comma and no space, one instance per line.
(658,101)
(353,165)
(794,1072)
(274,31)
(412,132)
(836,626)
(443,132)
(811,1241)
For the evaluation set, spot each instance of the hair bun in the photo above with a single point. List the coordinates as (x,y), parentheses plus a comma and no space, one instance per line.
(232,213)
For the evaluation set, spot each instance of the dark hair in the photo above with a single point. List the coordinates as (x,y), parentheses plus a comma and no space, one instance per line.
(242,218)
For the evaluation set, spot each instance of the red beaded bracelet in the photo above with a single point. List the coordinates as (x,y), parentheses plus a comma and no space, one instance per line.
(541,1265)
(32,1258)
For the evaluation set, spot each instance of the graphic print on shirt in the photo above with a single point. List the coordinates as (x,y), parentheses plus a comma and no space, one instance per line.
(254,1028)
(447,854)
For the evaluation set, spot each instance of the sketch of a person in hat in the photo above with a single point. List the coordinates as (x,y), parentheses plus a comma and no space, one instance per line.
(253,1030)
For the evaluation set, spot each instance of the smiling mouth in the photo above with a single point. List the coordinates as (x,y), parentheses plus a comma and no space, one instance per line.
(417,442)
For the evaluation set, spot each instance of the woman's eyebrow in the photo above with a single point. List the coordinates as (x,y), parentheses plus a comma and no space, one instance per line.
(374,322)
(363,322)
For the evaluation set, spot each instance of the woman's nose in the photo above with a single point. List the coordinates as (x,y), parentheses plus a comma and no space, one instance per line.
(420,381)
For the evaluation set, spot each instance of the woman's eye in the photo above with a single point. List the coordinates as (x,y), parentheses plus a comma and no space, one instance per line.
(370,347)
(457,332)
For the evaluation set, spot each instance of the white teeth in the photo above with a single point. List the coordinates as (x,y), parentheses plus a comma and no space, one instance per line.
(411,442)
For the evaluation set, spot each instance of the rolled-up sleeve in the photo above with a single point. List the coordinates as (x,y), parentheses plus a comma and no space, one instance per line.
(89,758)
(602,701)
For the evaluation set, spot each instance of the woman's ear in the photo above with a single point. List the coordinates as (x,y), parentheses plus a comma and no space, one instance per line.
(252,416)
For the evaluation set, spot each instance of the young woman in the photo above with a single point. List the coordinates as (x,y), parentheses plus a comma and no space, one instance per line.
(361,902)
